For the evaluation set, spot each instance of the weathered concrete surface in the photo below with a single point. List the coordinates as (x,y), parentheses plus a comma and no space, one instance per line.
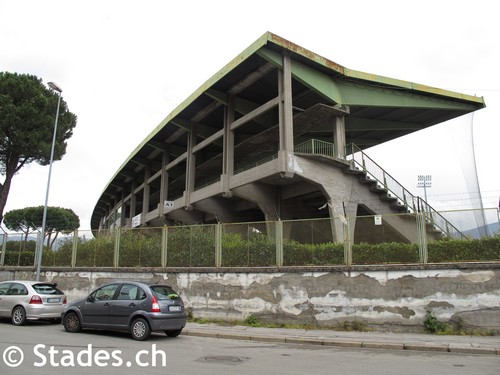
(387,299)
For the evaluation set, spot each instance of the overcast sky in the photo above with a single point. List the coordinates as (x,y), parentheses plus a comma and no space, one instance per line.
(125,65)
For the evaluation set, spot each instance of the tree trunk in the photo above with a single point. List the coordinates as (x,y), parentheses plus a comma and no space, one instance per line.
(4,192)
(12,165)
(54,240)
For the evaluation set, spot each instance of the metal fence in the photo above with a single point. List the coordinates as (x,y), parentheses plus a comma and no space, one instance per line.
(367,240)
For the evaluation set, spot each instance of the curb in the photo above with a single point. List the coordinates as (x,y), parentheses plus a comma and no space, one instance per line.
(445,348)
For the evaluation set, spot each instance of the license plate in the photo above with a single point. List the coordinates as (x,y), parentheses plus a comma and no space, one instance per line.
(175,308)
(53,300)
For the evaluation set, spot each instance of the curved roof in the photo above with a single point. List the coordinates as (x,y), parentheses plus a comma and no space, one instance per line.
(380,108)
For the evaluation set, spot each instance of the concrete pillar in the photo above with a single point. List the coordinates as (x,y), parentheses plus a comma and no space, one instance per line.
(286,145)
(228,151)
(145,195)
(190,167)
(163,182)
(339,140)
(133,202)
(343,215)
(261,194)
(265,197)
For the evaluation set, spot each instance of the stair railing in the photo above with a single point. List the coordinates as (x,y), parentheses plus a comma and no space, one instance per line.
(363,163)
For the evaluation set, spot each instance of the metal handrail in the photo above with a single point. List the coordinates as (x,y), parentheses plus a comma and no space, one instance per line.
(315,147)
(362,162)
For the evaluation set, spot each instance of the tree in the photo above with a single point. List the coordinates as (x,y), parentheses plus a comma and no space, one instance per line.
(27,117)
(59,220)
(20,220)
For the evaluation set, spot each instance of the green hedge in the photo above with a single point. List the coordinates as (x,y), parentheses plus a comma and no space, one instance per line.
(195,247)
(298,254)
(385,253)
(258,251)
(138,249)
(192,246)
(486,249)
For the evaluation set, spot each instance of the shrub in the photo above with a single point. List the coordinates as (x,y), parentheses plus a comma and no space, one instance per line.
(298,254)
(432,324)
(485,249)
(384,253)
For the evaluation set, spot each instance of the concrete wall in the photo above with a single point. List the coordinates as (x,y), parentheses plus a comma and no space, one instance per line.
(386,299)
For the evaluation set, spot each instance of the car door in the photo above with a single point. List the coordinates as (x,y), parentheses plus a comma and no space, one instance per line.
(95,311)
(4,289)
(127,301)
(16,295)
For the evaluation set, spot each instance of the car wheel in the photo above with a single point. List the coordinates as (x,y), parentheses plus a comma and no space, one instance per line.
(140,329)
(18,316)
(72,322)
(173,332)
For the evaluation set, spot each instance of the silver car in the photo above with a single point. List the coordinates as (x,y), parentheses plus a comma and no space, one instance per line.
(31,300)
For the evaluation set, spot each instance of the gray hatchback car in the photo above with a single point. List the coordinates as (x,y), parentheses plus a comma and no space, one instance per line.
(128,306)
(22,300)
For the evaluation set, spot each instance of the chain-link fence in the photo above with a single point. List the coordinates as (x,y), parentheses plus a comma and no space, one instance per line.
(365,240)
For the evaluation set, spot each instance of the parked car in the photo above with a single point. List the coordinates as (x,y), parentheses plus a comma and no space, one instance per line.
(128,306)
(31,300)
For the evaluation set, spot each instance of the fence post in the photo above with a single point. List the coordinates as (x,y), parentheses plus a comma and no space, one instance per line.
(116,258)
(4,248)
(74,249)
(279,243)
(164,243)
(422,237)
(347,242)
(218,245)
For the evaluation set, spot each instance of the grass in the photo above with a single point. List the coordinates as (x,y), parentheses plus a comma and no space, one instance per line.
(254,321)
(431,325)
(455,326)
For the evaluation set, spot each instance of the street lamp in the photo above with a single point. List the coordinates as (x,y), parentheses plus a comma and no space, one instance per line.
(54,87)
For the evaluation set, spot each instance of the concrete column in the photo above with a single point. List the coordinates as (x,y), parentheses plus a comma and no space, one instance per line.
(286,146)
(133,202)
(339,137)
(228,152)
(163,182)
(190,167)
(145,195)
(343,215)
(265,197)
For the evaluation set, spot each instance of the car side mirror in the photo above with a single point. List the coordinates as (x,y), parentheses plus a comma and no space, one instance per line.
(91,298)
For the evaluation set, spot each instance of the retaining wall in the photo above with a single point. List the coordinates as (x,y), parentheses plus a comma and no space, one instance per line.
(392,298)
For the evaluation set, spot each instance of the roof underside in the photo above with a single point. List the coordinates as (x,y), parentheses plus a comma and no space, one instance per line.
(380,109)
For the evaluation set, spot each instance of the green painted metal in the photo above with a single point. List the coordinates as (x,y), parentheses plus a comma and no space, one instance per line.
(314,79)
(369,90)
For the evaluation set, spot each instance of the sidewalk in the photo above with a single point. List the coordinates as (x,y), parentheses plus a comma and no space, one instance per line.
(373,340)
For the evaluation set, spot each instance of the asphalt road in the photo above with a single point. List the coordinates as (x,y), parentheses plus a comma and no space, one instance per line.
(46,348)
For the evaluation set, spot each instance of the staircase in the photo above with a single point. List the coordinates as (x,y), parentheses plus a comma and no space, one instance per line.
(385,186)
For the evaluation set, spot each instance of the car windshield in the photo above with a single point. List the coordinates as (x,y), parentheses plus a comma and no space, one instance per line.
(163,292)
(46,289)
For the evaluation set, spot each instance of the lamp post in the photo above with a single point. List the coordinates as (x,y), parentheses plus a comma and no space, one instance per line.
(54,87)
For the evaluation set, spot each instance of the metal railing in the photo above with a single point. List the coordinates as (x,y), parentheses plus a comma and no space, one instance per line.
(313,242)
(316,147)
(362,163)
